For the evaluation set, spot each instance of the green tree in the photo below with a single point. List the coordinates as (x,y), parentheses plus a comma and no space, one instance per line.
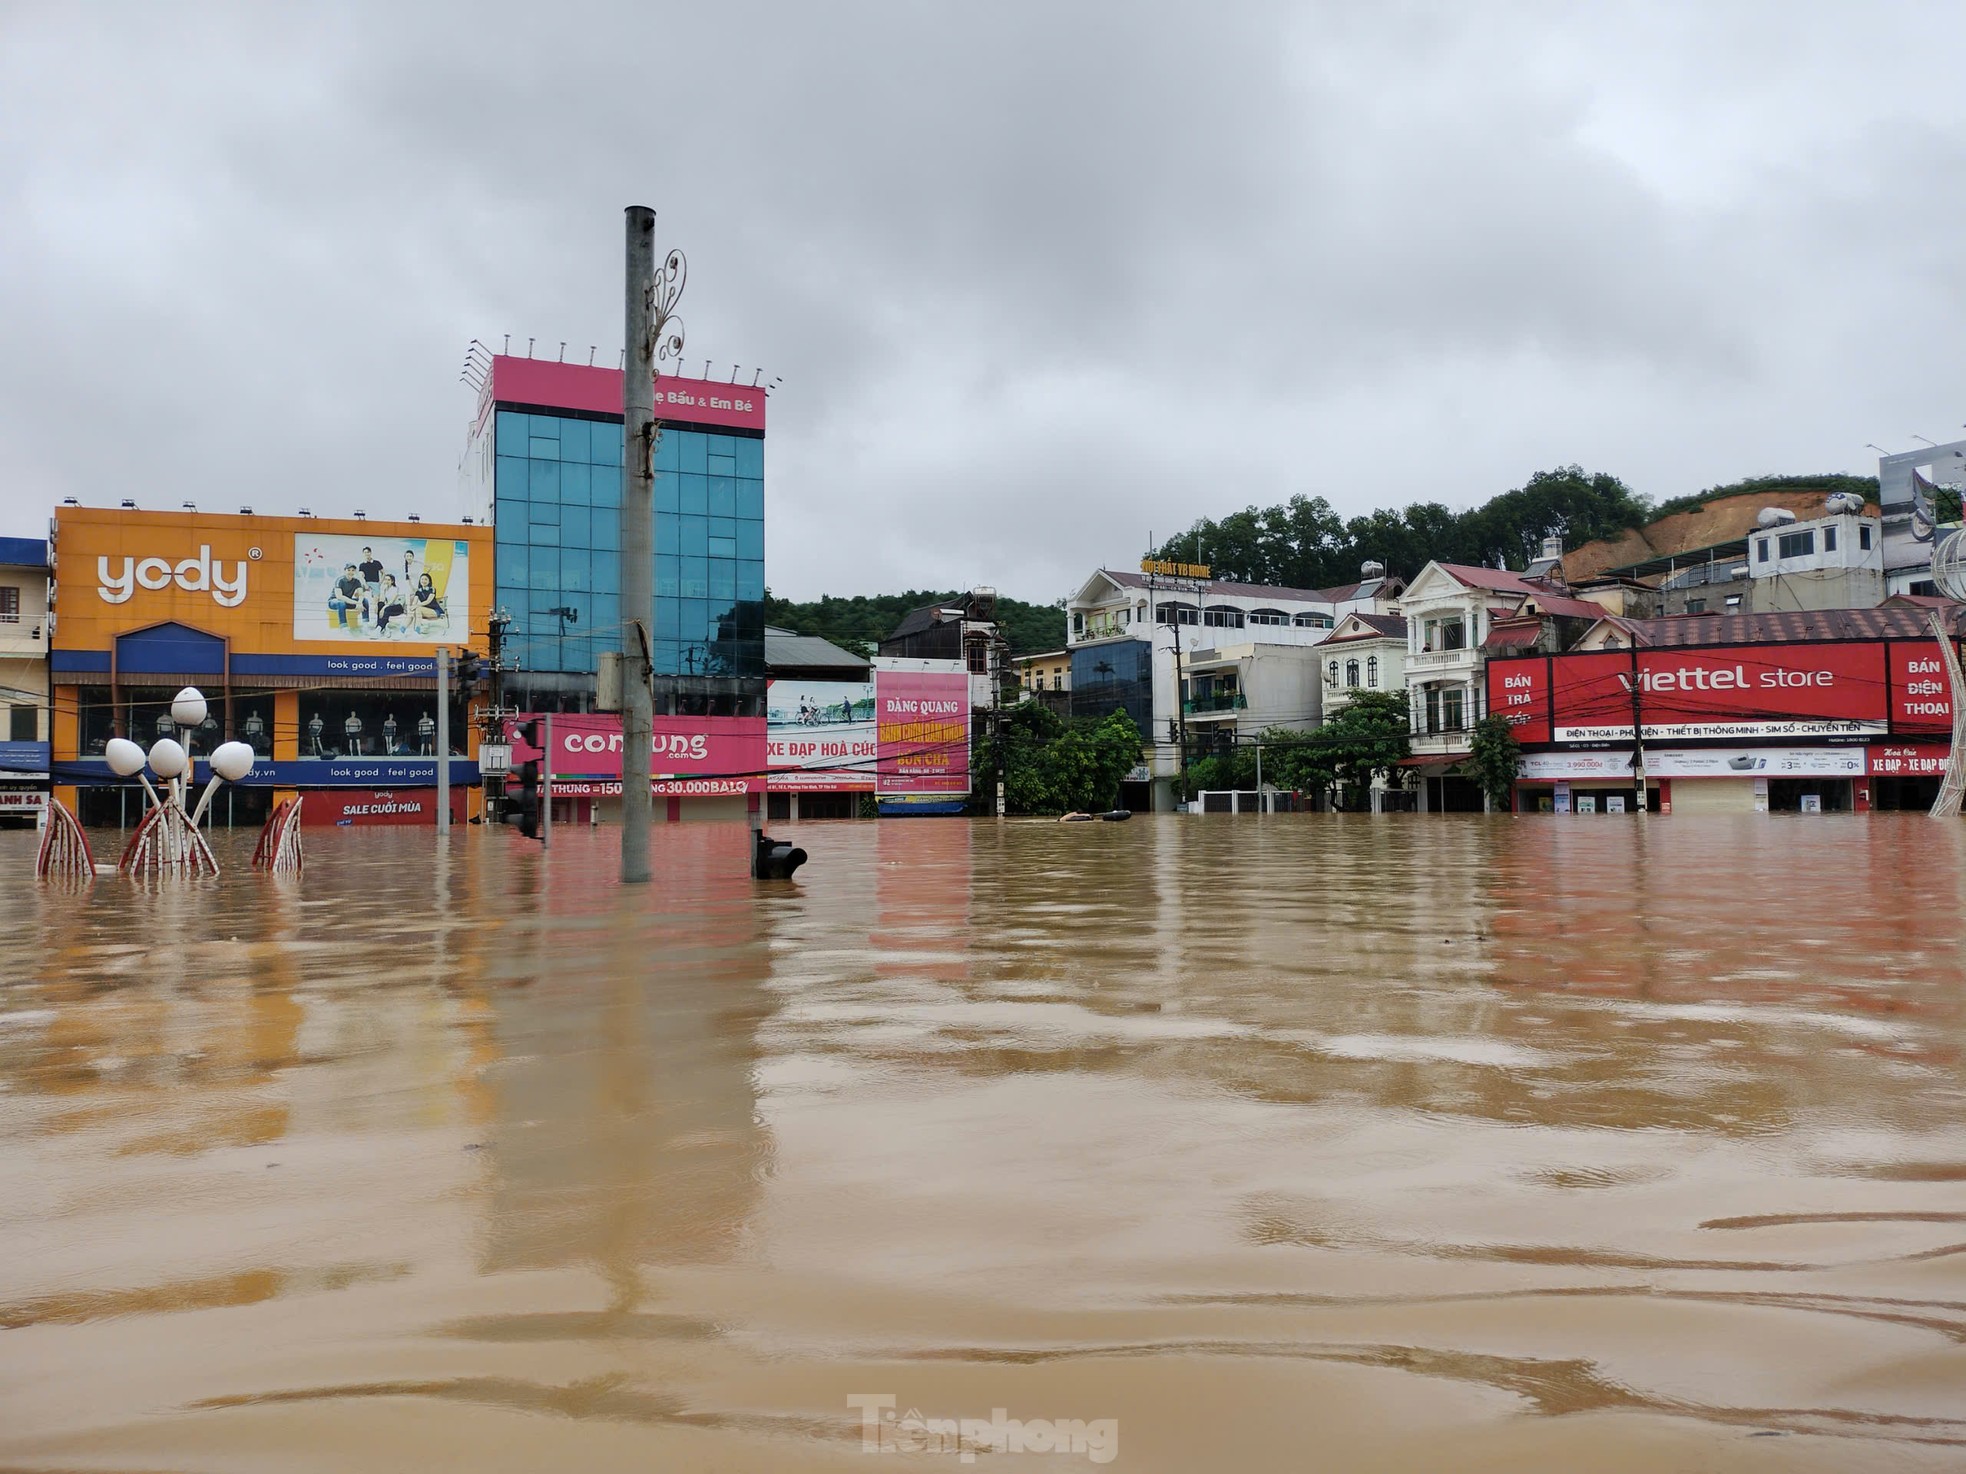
(1369,739)
(1054,766)
(861,622)
(1303,544)
(1494,759)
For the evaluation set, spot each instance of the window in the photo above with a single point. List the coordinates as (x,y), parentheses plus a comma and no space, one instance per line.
(1078,624)
(1829,539)
(1450,709)
(9,603)
(1351,673)
(1795,544)
(1761,551)
(1331,673)
(1444,634)
(1372,670)
(979,658)
(1057,681)
(1863,539)
(1733,602)
(1312,621)
(1222,616)
(23,724)
(1268,616)
(1696,606)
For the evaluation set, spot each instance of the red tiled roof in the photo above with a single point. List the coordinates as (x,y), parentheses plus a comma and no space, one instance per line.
(1378,627)
(1893,620)
(1512,634)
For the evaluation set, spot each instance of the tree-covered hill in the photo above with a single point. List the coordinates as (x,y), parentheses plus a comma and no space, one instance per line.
(863,621)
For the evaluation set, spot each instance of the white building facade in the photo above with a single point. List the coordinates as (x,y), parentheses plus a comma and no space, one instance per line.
(1203,662)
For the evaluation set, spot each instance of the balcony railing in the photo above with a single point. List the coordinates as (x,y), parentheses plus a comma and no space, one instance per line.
(1224,701)
(1439,657)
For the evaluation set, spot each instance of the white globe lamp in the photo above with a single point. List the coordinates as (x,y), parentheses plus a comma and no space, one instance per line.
(188,708)
(167,759)
(232,761)
(125,758)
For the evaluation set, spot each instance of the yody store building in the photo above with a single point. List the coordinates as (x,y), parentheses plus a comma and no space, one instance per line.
(314,640)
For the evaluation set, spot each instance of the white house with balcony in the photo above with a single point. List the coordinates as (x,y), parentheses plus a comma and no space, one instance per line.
(24,632)
(1456,615)
(1208,662)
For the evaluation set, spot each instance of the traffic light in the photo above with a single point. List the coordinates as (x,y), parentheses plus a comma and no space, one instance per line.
(520,804)
(773,859)
(522,799)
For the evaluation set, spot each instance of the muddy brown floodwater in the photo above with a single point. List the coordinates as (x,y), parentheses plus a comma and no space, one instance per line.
(1303,1143)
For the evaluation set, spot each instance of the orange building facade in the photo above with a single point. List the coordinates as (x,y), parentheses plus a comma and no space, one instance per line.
(315,641)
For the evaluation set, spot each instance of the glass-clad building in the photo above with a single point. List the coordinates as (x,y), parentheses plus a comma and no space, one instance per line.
(553,449)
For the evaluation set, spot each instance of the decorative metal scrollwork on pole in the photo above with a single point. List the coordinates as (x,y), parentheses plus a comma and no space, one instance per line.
(665,291)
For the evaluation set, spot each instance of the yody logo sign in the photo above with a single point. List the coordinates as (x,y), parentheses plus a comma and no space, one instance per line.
(199,575)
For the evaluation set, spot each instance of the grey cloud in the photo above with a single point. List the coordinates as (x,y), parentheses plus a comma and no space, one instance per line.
(1039,278)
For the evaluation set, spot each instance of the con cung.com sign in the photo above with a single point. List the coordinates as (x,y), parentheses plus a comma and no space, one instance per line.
(589,746)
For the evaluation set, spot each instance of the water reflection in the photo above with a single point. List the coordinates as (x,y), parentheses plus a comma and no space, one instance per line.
(1423,1129)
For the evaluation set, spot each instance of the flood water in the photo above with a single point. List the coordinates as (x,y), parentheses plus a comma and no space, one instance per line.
(1304,1142)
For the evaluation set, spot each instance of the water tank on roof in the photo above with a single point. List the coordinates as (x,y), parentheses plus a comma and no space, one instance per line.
(983,603)
(1371,568)
(1844,502)
(1774,517)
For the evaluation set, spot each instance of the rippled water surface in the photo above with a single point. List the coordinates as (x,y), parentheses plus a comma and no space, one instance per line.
(1292,1143)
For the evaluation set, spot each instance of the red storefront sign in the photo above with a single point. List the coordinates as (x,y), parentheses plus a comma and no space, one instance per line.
(1725,693)
(691,756)
(1519,693)
(364,807)
(923,734)
(1921,697)
(1908,759)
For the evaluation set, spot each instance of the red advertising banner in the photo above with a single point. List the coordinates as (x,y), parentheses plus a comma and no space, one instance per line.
(1825,690)
(363,807)
(923,731)
(691,755)
(579,386)
(1518,693)
(1908,759)
(1920,699)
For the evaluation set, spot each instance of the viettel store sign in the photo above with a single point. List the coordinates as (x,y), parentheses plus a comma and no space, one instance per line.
(1720,693)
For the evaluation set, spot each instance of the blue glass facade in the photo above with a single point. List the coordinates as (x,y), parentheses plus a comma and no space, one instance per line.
(557,491)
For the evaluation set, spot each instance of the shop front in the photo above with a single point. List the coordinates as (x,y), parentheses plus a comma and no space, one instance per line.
(314,642)
(1807,727)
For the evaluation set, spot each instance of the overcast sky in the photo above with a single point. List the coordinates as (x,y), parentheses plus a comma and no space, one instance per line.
(1039,278)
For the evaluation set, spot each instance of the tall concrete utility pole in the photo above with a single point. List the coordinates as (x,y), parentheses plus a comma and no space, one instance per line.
(638,547)
(443,742)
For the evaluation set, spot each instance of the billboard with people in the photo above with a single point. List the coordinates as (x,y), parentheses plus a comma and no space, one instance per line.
(821,736)
(377,588)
